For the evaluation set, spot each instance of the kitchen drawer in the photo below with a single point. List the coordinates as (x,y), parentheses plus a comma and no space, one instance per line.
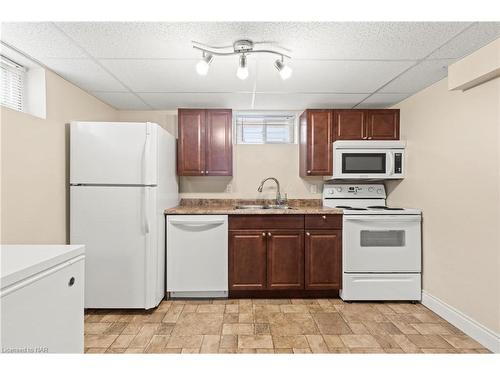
(323,221)
(266,222)
(381,287)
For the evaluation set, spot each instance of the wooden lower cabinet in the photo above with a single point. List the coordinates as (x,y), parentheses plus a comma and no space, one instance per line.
(323,259)
(247,260)
(305,259)
(285,259)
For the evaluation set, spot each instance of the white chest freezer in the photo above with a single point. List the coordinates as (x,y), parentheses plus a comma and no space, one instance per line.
(41,298)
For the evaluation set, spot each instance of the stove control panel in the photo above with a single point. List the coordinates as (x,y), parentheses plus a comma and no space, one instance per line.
(354,191)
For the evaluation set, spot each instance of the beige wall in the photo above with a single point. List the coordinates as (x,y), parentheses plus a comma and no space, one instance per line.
(34,196)
(166,119)
(251,164)
(453,174)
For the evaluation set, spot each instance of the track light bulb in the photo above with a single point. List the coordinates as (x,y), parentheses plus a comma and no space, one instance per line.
(242,72)
(284,70)
(203,65)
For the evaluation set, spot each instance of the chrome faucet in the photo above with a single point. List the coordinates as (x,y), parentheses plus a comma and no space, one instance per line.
(279,201)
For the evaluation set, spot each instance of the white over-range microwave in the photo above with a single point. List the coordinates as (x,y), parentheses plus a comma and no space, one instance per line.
(368,159)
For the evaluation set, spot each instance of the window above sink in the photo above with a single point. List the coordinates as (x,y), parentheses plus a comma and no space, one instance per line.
(271,127)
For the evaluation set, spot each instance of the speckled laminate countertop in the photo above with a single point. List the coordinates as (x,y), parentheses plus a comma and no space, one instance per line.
(227,207)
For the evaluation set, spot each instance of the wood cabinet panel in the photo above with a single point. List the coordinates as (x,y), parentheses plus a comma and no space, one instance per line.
(315,148)
(323,259)
(285,259)
(205,142)
(382,124)
(348,124)
(191,142)
(323,221)
(266,222)
(247,260)
(219,149)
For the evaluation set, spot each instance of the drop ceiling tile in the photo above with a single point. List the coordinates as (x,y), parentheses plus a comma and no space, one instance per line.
(86,74)
(326,40)
(180,75)
(122,100)
(302,101)
(419,77)
(39,40)
(166,101)
(382,100)
(318,76)
(471,40)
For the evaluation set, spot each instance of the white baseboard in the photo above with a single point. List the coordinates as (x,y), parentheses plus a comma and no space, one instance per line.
(477,331)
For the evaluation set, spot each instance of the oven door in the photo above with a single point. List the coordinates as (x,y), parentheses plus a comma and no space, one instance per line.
(381,243)
(363,163)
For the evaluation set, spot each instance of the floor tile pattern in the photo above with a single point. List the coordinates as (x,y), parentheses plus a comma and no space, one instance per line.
(274,326)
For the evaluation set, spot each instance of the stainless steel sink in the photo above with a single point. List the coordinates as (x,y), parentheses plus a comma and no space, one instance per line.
(261,207)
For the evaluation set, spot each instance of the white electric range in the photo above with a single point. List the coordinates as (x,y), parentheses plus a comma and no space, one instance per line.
(381,246)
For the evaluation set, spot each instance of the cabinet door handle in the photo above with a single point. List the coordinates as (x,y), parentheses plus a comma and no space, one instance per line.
(323,217)
(202,172)
(369,137)
(308,172)
(263,234)
(71,281)
(308,234)
(269,234)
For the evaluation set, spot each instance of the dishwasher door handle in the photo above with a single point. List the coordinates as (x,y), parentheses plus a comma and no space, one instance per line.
(196,223)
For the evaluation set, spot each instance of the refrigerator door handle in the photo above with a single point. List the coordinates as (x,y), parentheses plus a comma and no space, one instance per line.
(146,155)
(146,210)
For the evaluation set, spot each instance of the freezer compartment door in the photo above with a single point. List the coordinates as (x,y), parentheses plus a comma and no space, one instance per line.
(113,153)
(118,226)
(381,287)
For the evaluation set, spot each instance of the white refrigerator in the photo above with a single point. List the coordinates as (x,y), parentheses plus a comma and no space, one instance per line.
(122,178)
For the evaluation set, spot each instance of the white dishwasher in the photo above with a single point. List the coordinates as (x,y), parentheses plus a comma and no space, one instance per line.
(197,256)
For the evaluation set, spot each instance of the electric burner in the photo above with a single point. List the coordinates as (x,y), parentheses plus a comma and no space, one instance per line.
(386,208)
(352,208)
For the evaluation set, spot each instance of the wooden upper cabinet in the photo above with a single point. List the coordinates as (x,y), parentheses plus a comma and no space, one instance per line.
(315,147)
(247,260)
(382,124)
(191,142)
(205,142)
(323,259)
(348,124)
(285,259)
(219,146)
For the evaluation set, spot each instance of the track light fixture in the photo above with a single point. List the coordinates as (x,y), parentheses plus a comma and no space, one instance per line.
(242,48)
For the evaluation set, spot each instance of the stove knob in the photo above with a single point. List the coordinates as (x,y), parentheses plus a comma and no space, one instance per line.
(339,189)
(379,191)
(371,188)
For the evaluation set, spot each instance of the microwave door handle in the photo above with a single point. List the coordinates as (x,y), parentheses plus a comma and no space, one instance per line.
(391,163)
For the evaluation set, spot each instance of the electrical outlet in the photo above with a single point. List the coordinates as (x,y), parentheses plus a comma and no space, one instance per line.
(313,188)
(229,188)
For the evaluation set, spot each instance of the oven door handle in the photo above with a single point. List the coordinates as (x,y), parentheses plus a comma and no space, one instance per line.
(386,218)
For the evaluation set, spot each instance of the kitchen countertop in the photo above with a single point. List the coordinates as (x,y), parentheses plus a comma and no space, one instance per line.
(226,207)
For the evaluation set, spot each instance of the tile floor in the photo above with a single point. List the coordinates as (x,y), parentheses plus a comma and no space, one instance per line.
(274,326)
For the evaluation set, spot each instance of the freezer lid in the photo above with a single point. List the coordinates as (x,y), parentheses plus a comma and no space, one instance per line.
(114,153)
(20,262)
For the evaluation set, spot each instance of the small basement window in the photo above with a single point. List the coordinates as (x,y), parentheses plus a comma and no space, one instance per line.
(263,128)
(12,84)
